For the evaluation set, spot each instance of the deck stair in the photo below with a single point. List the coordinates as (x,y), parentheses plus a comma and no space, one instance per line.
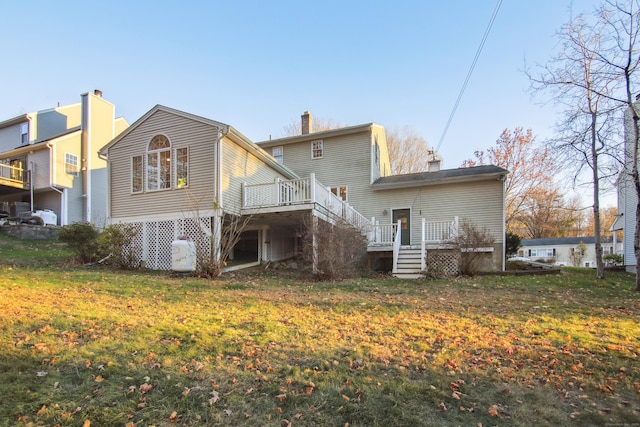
(409,264)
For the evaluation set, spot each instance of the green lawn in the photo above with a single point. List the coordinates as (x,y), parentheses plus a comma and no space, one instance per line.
(85,346)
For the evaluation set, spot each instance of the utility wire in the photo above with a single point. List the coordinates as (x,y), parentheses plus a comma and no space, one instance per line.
(473,65)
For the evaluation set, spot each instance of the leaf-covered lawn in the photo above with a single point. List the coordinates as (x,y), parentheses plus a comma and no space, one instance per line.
(89,347)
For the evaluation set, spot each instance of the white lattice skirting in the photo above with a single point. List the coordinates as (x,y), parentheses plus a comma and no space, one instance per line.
(443,263)
(152,243)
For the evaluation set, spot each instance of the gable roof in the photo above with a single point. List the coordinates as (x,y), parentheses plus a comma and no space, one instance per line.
(442,176)
(14,120)
(318,135)
(554,241)
(223,128)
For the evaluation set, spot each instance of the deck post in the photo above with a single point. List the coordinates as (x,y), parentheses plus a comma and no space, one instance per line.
(423,247)
(312,179)
(314,243)
(243,192)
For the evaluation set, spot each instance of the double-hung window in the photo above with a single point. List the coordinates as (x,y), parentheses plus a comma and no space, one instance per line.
(24,133)
(71,164)
(278,153)
(316,149)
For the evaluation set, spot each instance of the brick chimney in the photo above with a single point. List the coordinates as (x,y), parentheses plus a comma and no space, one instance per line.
(306,123)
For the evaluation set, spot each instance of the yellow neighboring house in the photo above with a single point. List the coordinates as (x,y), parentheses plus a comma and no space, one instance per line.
(49,160)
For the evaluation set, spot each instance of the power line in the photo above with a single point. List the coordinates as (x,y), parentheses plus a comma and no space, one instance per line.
(473,65)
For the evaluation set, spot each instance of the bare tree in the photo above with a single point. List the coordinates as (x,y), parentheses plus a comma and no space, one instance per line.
(531,168)
(547,215)
(573,79)
(408,151)
(318,124)
(593,76)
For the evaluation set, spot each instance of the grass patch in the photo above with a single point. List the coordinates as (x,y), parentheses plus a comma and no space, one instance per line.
(254,349)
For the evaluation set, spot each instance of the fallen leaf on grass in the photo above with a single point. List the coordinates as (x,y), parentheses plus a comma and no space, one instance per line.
(494,411)
(173,415)
(442,406)
(144,388)
(41,410)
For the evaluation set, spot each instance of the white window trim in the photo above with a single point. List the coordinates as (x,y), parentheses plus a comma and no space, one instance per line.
(24,131)
(321,144)
(337,189)
(77,168)
(142,172)
(170,149)
(175,167)
(281,156)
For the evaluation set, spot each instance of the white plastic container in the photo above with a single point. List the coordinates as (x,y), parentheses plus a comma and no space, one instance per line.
(183,256)
(48,216)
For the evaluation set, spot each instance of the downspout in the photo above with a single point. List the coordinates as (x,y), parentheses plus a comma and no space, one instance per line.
(52,170)
(503,178)
(31,185)
(85,156)
(217,196)
(108,206)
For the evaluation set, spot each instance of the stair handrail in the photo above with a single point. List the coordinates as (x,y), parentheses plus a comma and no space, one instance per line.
(423,246)
(396,246)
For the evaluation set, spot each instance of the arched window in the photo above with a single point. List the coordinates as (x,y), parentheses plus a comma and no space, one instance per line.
(160,167)
(159,163)
(159,142)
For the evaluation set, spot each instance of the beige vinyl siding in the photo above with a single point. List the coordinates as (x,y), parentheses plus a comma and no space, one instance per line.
(100,132)
(119,125)
(50,123)
(40,172)
(62,146)
(238,167)
(182,132)
(383,167)
(477,201)
(346,161)
(10,137)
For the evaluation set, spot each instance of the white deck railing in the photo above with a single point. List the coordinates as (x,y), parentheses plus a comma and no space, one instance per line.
(12,175)
(299,192)
(436,232)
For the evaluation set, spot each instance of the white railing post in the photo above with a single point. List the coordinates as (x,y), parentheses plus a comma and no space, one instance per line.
(396,246)
(423,247)
(312,179)
(454,234)
(277,190)
(243,191)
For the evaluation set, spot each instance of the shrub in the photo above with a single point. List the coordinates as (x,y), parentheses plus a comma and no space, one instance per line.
(82,239)
(115,243)
(513,243)
(613,258)
(340,249)
(470,240)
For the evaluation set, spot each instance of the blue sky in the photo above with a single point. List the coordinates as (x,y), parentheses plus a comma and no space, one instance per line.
(258,65)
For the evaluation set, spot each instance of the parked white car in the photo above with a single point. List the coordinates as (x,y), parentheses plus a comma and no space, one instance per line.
(519,258)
